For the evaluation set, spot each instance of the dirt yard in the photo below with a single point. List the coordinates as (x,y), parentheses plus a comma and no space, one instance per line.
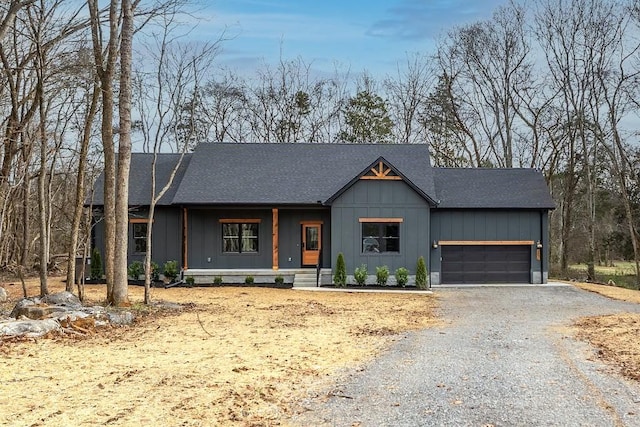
(236,356)
(231,356)
(616,336)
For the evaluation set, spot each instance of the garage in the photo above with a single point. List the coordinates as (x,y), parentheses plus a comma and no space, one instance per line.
(477,264)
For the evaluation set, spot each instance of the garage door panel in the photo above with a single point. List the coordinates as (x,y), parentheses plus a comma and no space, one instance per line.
(486,264)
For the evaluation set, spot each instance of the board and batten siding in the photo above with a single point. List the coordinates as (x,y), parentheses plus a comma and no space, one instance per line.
(166,239)
(380,199)
(492,225)
(290,235)
(205,239)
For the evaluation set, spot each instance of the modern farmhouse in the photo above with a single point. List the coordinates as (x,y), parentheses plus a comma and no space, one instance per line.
(269,209)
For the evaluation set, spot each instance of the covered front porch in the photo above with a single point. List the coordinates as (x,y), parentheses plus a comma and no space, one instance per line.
(235,240)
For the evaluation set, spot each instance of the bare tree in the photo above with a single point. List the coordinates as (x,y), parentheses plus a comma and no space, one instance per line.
(407,93)
(179,67)
(616,85)
(93,95)
(575,39)
(487,62)
(105,64)
(120,295)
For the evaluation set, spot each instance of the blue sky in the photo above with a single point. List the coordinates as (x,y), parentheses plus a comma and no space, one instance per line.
(355,34)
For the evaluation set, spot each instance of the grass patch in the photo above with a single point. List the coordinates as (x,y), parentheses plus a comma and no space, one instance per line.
(621,274)
(619,268)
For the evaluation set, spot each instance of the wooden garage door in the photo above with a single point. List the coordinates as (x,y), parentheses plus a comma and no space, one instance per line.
(485,264)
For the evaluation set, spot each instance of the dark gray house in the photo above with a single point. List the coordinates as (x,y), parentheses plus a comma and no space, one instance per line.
(268,209)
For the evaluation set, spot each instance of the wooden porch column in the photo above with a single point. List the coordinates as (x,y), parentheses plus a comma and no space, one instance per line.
(274,237)
(185,239)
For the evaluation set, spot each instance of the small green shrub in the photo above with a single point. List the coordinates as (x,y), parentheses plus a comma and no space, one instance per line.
(360,275)
(96,265)
(171,270)
(279,280)
(421,274)
(248,280)
(217,280)
(135,270)
(155,271)
(382,275)
(340,277)
(190,280)
(402,276)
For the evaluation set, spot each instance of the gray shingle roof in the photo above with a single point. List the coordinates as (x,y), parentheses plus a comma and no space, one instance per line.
(492,188)
(300,173)
(140,178)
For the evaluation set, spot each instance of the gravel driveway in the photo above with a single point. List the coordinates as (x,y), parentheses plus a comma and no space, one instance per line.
(504,357)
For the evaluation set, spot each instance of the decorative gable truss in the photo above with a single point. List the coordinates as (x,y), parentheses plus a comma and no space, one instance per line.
(381,171)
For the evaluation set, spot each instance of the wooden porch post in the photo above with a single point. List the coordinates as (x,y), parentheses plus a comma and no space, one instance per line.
(185,239)
(274,237)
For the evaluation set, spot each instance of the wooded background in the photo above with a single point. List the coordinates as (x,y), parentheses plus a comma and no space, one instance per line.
(551,85)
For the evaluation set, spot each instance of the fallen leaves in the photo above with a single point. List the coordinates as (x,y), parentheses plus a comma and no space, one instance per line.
(234,357)
(617,338)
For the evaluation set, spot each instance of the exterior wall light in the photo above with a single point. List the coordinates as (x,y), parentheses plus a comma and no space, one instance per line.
(539,245)
(434,245)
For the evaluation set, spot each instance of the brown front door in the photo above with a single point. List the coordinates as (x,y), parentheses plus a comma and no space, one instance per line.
(311,243)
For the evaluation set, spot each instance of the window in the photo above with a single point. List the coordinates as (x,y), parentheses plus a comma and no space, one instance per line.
(380,236)
(240,237)
(139,237)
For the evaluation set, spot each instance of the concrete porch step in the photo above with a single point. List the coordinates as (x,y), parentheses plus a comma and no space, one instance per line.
(304,280)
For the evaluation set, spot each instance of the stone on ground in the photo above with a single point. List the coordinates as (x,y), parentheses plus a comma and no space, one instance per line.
(28,328)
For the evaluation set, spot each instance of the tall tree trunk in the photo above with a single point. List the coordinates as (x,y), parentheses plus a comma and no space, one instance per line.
(43,201)
(79,205)
(105,68)
(120,283)
(109,189)
(26,190)
(42,186)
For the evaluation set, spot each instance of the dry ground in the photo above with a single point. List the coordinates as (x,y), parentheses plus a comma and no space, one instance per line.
(616,336)
(236,356)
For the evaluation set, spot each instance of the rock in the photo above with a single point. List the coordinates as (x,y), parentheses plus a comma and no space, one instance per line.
(3,295)
(34,309)
(36,317)
(98,313)
(29,328)
(20,305)
(121,318)
(62,298)
(169,305)
(71,315)
(37,312)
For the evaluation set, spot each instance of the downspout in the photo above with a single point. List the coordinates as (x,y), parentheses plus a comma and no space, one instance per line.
(542,249)
(185,239)
(432,250)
